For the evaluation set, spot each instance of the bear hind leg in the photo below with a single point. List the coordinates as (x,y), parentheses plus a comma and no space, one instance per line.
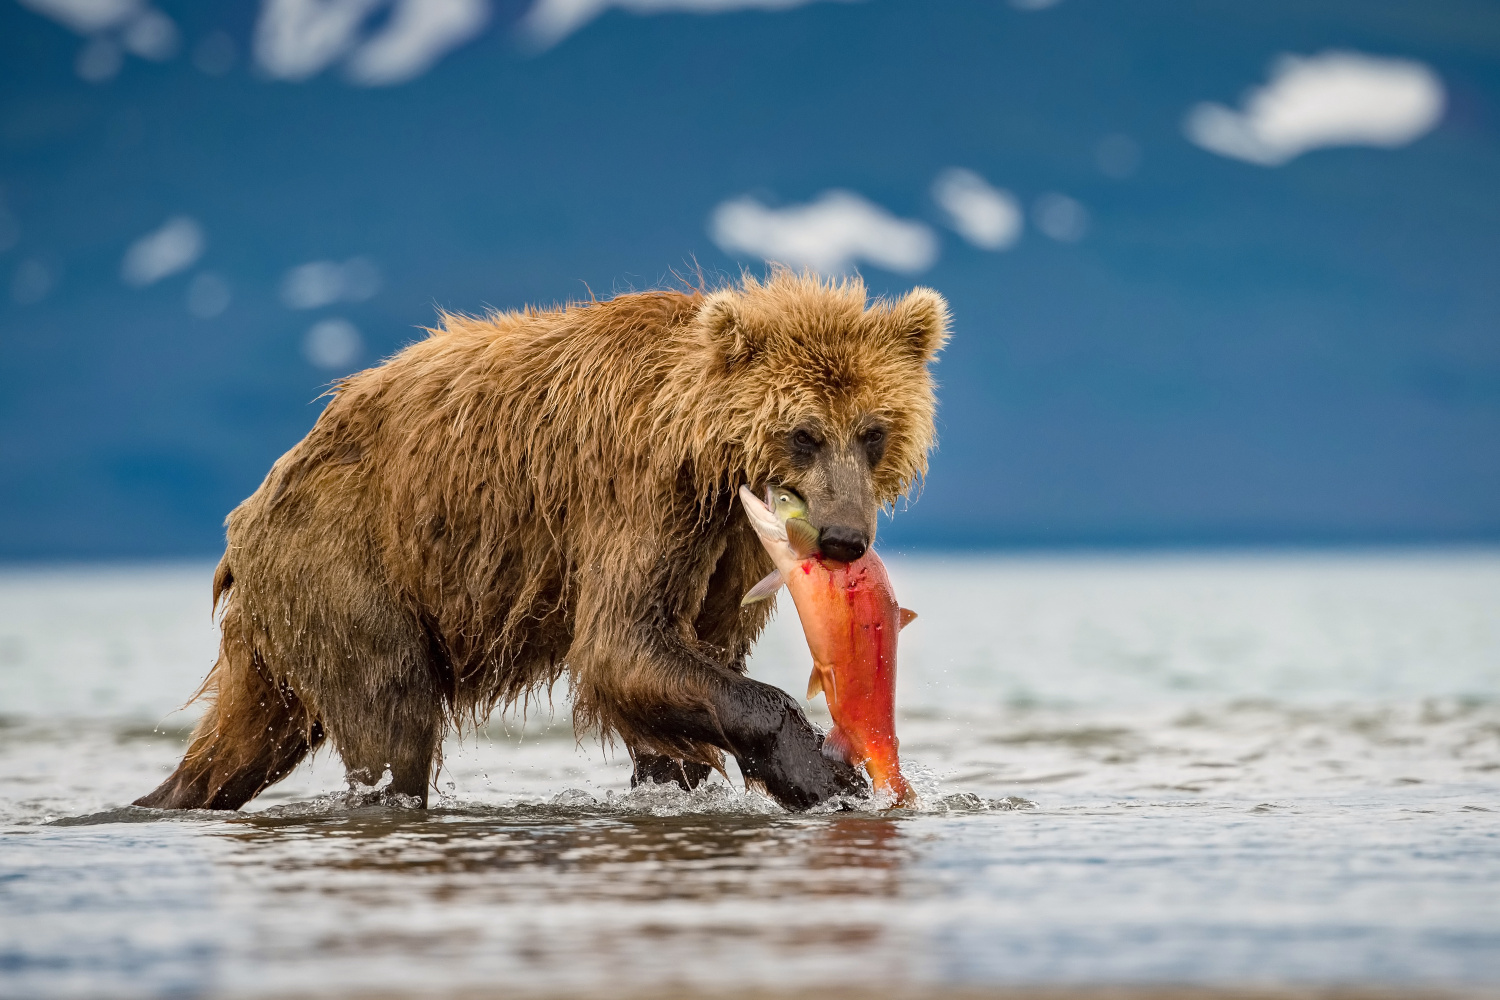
(398,729)
(252,735)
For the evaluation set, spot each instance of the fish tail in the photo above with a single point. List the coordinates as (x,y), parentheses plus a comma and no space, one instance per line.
(885,772)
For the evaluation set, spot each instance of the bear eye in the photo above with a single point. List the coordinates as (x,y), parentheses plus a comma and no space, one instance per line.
(804,444)
(874,442)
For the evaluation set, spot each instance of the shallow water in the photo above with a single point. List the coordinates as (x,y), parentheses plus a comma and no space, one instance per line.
(1211,771)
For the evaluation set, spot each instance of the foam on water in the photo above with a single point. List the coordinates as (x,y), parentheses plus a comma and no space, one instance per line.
(712,798)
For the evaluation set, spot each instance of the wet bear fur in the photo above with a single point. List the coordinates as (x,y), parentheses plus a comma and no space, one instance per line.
(533,494)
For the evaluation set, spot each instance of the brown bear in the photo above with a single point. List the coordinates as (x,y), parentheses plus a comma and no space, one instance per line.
(551,491)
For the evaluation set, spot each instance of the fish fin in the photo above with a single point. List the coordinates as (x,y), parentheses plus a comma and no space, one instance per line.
(802,536)
(837,746)
(907,617)
(764,589)
(823,681)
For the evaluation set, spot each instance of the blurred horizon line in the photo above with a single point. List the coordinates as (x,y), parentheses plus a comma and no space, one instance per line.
(1081,548)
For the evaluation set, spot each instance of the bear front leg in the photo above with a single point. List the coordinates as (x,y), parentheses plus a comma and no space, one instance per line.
(778,749)
(641,670)
(668,695)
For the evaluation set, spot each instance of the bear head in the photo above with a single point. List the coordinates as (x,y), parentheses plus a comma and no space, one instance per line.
(812,386)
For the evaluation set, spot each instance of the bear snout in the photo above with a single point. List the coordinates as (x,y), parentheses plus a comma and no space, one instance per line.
(842,543)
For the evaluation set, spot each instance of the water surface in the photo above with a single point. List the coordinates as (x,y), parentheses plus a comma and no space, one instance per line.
(1211,771)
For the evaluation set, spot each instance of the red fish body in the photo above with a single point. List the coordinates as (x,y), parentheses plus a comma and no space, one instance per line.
(851,621)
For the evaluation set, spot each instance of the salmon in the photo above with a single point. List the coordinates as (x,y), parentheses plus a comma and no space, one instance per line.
(851,621)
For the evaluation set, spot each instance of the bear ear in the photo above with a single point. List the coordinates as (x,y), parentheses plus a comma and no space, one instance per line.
(723,327)
(921,320)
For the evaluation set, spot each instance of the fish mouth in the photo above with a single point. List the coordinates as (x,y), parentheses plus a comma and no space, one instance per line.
(839,542)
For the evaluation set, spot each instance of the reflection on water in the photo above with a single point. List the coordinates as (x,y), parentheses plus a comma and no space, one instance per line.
(618,901)
(567,899)
(645,858)
(1320,805)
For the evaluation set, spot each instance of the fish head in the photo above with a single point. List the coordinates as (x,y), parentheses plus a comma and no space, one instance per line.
(786,549)
(786,502)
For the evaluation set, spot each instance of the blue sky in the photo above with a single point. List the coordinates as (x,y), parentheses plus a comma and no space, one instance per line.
(1221,273)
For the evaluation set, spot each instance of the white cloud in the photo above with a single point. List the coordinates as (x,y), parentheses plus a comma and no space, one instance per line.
(1061,218)
(548,22)
(332,343)
(828,235)
(418,34)
(151,35)
(321,283)
(86,17)
(987,217)
(163,252)
(309,286)
(1330,99)
(298,39)
(143,30)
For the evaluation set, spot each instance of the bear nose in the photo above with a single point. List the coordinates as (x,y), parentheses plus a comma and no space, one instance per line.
(842,544)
